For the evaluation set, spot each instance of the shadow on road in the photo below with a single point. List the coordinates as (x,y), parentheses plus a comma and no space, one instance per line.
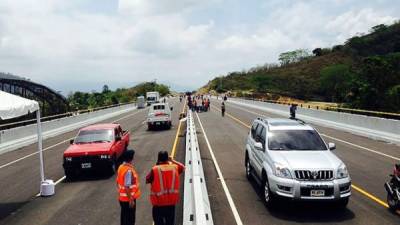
(90,176)
(8,208)
(307,212)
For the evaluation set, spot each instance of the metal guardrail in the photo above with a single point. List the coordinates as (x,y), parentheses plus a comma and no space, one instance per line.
(196,206)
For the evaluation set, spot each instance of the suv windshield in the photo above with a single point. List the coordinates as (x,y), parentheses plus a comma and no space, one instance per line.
(295,140)
(151,98)
(89,136)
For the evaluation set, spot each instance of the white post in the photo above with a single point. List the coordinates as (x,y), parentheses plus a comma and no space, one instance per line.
(39,131)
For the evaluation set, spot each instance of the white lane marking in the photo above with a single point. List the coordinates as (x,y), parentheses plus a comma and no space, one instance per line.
(224,186)
(59,143)
(361,147)
(336,139)
(34,153)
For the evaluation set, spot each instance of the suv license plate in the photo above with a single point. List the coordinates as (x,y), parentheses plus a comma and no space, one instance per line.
(86,165)
(317,193)
(158,123)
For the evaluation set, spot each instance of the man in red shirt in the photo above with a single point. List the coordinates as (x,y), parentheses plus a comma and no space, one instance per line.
(164,180)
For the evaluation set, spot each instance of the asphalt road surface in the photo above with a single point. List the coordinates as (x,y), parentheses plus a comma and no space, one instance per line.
(92,199)
(227,136)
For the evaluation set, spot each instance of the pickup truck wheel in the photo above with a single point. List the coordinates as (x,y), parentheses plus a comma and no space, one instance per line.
(267,195)
(149,127)
(69,175)
(249,169)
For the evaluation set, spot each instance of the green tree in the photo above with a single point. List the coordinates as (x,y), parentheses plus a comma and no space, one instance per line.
(162,89)
(378,74)
(336,81)
(393,98)
(105,89)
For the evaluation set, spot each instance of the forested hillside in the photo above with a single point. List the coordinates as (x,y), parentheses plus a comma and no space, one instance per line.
(84,100)
(363,73)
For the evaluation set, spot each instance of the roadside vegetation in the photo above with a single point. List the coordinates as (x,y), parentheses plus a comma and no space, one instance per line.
(84,100)
(363,73)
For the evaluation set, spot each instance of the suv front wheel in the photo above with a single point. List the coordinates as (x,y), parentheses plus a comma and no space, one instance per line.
(248,167)
(268,196)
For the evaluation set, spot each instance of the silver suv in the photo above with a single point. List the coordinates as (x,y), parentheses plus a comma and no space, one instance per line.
(288,158)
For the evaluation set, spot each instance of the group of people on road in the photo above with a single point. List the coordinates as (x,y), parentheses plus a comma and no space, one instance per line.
(164,191)
(199,103)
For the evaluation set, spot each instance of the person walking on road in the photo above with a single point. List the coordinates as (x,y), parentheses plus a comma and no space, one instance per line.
(195,105)
(128,188)
(292,110)
(223,109)
(164,180)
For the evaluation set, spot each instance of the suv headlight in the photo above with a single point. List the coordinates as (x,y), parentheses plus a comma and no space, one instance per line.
(281,171)
(342,172)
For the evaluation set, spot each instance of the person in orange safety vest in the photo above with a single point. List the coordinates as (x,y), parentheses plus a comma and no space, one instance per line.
(164,180)
(128,188)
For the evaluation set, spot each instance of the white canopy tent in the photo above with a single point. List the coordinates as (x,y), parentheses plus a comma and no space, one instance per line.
(12,106)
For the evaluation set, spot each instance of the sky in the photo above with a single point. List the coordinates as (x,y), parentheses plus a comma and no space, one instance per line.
(80,45)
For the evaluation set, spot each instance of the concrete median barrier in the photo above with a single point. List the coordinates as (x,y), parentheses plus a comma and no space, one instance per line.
(373,127)
(18,137)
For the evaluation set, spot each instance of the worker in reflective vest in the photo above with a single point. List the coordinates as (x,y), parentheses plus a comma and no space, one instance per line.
(164,180)
(128,188)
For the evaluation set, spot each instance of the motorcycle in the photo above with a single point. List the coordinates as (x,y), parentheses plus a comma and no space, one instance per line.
(393,189)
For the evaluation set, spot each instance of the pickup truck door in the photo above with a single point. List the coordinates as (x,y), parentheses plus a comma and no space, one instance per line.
(118,144)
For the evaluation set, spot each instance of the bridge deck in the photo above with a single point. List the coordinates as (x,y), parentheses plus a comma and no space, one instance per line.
(92,199)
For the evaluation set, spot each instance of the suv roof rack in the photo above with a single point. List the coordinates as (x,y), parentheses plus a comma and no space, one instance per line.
(298,120)
(262,120)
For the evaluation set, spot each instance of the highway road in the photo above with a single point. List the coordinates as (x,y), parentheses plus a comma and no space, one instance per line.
(92,199)
(226,137)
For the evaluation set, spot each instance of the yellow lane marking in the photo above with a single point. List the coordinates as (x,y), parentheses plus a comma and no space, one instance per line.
(370,196)
(232,117)
(173,152)
(360,190)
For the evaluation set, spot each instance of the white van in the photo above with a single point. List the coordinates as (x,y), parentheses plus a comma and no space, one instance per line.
(141,103)
(152,97)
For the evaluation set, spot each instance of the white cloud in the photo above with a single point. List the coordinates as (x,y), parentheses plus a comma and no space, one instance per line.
(354,22)
(183,42)
(157,7)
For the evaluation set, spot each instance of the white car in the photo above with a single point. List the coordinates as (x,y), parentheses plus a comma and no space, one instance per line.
(289,159)
(159,115)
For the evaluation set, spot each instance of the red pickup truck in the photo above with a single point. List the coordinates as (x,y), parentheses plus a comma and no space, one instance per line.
(95,147)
